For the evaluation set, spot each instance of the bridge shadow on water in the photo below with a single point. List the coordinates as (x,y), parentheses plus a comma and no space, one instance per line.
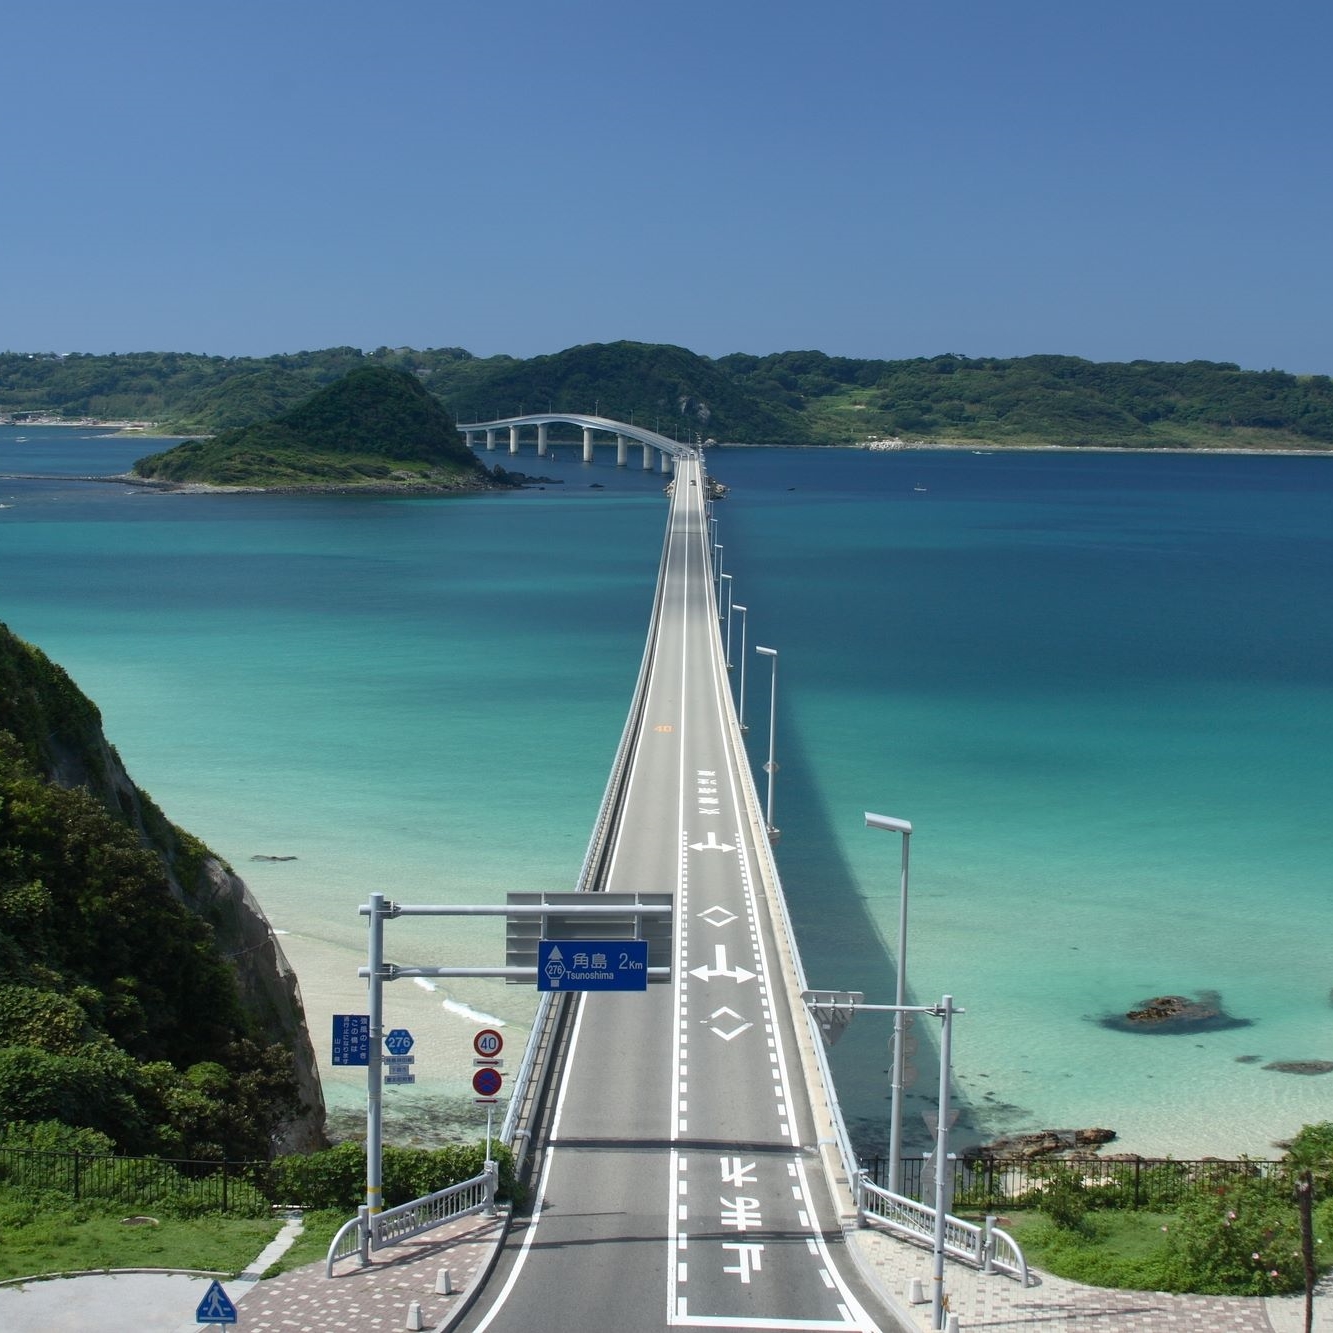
(844,947)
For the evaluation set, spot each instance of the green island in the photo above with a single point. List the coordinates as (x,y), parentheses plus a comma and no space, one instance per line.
(376,428)
(787,398)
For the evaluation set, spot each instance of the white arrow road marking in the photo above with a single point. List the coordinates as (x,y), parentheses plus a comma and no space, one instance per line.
(712,845)
(735,1032)
(720,968)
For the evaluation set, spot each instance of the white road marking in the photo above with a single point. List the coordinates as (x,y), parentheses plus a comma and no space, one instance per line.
(742,1026)
(749,1259)
(712,845)
(718,916)
(735,1172)
(720,968)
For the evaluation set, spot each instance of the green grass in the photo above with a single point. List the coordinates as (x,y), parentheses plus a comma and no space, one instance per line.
(1114,1248)
(312,1245)
(46,1235)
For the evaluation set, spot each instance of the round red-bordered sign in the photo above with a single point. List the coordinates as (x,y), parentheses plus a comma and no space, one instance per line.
(486,1082)
(488,1043)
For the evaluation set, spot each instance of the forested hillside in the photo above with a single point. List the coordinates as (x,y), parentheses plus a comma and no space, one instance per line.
(144,1003)
(375,426)
(785,398)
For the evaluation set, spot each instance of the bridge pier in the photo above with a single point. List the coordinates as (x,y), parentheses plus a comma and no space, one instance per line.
(490,437)
(666,461)
(647,457)
(587,444)
(470,437)
(541,440)
(622,448)
(513,439)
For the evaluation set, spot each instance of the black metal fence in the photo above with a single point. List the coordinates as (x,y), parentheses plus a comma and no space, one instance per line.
(139,1183)
(1137,1182)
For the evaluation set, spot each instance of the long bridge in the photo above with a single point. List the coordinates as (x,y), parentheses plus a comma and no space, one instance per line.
(689,1163)
(667,452)
(687,1166)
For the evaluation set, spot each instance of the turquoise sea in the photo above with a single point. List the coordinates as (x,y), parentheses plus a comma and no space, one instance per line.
(1100,685)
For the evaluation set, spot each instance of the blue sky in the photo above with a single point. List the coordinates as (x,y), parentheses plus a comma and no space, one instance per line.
(871,178)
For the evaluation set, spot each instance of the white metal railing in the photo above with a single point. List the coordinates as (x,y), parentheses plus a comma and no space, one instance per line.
(989,1248)
(366,1232)
(351,1239)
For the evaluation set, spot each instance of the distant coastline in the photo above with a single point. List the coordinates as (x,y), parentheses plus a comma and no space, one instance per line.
(150,429)
(80,423)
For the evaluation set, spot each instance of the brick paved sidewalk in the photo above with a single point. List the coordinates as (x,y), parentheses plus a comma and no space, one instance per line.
(367,1300)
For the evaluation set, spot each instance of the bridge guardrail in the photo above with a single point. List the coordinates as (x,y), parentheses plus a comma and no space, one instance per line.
(769,875)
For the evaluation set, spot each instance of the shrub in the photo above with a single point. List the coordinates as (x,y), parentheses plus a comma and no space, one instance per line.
(336,1177)
(1065,1199)
(56,1137)
(1242,1238)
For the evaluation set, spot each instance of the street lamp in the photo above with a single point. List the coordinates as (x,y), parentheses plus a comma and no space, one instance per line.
(946,1012)
(736,606)
(771,767)
(726,578)
(891,825)
(717,566)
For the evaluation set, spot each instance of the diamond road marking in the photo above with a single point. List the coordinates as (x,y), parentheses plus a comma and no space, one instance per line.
(730,1013)
(718,916)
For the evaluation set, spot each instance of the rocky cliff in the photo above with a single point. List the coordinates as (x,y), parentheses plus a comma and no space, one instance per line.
(55,888)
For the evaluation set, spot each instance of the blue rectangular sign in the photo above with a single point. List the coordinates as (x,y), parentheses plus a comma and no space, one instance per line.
(351,1039)
(592,965)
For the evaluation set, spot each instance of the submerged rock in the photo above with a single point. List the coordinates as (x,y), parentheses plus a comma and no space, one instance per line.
(1044,1143)
(1176,1013)
(1163,1008)
(1301,1066)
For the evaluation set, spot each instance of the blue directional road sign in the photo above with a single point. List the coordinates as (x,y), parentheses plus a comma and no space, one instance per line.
(351,1039)
(216,1307)
(592,965)
(399,1041)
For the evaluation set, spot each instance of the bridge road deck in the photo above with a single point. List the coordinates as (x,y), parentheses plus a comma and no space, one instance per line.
(679,1184)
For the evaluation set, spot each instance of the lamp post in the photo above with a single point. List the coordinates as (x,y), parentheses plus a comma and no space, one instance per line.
(736,606)
(891,825)
(717,565)
(726,578)
(771,767)
(946,1012)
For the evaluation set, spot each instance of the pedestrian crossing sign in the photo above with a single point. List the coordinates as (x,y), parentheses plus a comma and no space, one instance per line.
(216,1307)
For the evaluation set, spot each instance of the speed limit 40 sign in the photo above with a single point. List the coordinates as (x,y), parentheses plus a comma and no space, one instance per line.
(488,1043)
